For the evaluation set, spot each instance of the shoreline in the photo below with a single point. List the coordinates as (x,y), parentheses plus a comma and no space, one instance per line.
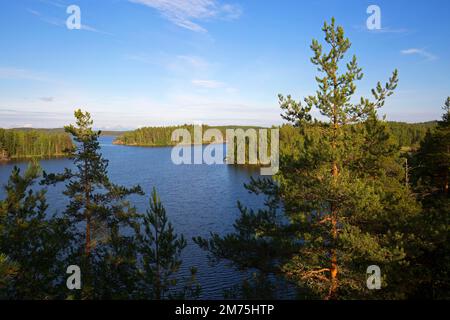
(164,145)
(39,157)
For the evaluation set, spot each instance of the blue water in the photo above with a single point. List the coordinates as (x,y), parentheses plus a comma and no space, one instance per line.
(199,199)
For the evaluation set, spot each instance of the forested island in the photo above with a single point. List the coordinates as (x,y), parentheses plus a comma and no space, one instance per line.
(407,135)
(162,136)
(30,143)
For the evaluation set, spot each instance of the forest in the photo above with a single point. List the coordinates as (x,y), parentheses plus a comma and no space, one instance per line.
(342,200)
(408,135)
(162,136)
(24,143)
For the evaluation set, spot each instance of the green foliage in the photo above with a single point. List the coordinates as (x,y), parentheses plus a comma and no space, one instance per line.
(8,270)
(152,136)
(410,134)
(430,178)
(407,136)
(117,260)
(339,203)
(162,136)
(35,242)
(98,206)
(32,143)
(161,249)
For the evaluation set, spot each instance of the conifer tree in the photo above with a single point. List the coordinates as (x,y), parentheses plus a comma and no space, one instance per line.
(161,249)
(3,153)
(430,175)
(35,241)
(339,203)
(100,207)
(8,270)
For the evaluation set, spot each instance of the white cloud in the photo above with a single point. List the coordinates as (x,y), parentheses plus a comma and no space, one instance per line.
(383,30)
(194,61)
(420,52)
(20,74)
(183,13)
(47,99)
(213,84)
(231,12)
(86,27)
(209,84)
(62,23)
(189,65)
(390,30)
(57,4)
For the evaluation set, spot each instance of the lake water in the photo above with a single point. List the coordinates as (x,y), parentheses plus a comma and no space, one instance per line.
(199,199)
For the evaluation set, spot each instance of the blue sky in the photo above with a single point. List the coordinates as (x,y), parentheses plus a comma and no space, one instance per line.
(160,62)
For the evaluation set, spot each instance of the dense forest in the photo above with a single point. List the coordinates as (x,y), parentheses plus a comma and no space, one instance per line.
(16,143)
(343,200)
(408,135)
(162,136)
(24,142)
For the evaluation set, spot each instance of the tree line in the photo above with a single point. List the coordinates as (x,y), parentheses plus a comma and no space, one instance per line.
(346,198)
(33,143)
(162,136)
(406,135)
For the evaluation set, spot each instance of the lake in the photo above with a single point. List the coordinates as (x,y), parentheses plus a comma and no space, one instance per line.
(199,199)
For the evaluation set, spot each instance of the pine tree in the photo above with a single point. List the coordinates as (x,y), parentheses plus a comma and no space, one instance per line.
(3,153)
(430,174)
(101,208)
(339,203)
(34,240)
(161,249)
(433,158)
(8,270)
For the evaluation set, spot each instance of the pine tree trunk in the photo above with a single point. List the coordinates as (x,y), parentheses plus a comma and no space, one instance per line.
(87,191)
(88,237)
(446,176)
(334,213)
(157,276)
(446,184)
(334,263)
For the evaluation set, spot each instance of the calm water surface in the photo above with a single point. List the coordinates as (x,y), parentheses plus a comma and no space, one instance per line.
(199,199)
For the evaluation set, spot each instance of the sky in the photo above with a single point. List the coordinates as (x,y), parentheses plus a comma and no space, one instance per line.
(140,63)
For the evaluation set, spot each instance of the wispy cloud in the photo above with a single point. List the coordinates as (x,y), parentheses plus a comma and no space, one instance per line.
(52,21)
(364,28)
(140,58)
(390,30)
(62,23)
(213,84)
(183,13)
(420,52)
(47,99)
(231,11)
(209,84)
(194,61)
(20,74)
(86,27)
(57,4)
